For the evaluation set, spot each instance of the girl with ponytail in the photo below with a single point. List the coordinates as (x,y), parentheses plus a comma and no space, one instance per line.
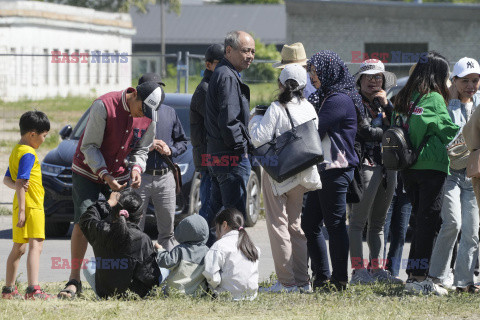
(231,264)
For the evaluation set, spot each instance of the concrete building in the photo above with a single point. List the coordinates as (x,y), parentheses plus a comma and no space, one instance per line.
(30,31)
(199,25)
(351,28)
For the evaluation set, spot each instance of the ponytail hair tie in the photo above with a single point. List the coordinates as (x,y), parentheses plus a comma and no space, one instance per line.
(123,213)
(241,228)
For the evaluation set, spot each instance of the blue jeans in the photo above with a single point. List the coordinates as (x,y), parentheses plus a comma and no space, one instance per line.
(89,274)
(459,213)
(229,190)
(331,211)
(317,247)
(205,186)
(396,224)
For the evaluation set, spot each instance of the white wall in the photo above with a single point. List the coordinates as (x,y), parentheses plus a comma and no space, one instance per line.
(39,28)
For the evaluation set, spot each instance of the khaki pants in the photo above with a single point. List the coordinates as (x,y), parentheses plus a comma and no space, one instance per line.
(287,240)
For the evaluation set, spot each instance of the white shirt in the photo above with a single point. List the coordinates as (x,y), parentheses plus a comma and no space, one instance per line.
(275,122)
(227,269)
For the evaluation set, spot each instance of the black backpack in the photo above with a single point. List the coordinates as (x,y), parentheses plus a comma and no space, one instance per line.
(397,151)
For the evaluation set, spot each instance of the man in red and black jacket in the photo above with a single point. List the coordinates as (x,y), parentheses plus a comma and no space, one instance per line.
(112,150)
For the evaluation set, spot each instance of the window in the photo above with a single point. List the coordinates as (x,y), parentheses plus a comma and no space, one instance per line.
(77,67)
(408,53)
(117,67)
(46,61)
(67,67)
(56,71)
(13,66)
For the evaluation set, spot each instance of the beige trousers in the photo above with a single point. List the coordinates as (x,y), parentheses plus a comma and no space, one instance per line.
(287,240)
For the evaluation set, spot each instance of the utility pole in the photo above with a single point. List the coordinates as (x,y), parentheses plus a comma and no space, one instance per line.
(163,67)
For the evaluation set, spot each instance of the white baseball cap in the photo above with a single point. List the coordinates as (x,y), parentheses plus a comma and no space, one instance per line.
(464,67)
(295,72)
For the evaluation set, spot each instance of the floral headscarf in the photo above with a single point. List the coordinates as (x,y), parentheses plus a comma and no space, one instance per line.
(334,77)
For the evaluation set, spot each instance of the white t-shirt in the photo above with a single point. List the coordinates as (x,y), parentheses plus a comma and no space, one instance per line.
(227,269)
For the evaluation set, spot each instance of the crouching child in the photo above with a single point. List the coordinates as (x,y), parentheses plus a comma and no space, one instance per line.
(186,261)
(124,255)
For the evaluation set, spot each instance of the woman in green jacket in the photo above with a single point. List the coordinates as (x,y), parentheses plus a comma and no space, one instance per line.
(425,180)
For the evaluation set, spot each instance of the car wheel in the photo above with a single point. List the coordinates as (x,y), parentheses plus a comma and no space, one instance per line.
(56,229)
(253,199)
(194,202)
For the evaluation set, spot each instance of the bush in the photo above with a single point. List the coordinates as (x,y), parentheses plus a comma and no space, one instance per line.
(263,71)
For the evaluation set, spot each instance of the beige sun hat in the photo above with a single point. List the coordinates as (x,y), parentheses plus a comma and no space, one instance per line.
(294,53)
(374,66)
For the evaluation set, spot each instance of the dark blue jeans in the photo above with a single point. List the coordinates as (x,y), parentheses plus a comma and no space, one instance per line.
(317,247)
(205,186)
(396,225)
(229,190)
(331,210)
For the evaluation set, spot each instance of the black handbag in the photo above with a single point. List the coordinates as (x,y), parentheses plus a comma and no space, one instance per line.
(292,152)
(357,186)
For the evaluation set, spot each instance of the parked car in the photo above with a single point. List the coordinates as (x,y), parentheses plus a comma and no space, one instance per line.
(57,177)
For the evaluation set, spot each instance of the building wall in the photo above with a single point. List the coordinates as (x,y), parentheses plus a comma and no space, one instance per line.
(345,26)
(36,28)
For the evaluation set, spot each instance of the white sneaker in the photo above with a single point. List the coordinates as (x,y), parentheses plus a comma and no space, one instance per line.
(427,286)
(385,276)
(277,288)
(306,288)
(361,276)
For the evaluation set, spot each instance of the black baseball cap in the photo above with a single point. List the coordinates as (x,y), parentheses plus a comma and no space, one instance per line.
(151,76)
(152,95)
(215,52)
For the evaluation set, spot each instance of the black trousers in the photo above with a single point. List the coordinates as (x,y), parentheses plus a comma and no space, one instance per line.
(425,189)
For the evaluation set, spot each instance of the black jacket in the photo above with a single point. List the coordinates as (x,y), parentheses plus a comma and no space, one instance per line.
(198,134)
(227,112)
(369,136)
(132,267)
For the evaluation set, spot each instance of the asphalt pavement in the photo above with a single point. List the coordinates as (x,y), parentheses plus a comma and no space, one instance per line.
(54,268)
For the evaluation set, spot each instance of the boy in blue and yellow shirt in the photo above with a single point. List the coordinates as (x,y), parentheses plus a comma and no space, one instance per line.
(25,177)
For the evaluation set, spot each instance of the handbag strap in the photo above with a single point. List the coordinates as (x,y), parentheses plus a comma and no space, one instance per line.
(289,117)
(412,108)
(426,137)
(168,161)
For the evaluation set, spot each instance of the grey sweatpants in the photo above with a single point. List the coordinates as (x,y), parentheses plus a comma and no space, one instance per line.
(161,190)
(372,208)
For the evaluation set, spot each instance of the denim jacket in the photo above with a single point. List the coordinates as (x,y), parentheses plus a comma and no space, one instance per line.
(457,149)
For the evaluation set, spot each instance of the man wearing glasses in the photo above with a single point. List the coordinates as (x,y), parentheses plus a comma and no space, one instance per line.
(226,122)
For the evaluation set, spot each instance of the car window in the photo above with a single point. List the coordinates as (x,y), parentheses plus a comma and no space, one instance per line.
(184,116)
(81,124)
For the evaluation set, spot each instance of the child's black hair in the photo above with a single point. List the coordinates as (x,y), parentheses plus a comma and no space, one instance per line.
(36,121)
(234,220)
(130,201)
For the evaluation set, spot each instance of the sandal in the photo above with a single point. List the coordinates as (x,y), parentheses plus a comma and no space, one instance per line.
(472,288)
(78,286)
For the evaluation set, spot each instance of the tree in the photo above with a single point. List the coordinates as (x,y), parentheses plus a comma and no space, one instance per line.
(106,5)
(263,72)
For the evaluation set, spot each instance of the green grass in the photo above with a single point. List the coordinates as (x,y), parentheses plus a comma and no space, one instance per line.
(359,302)
(4,211)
